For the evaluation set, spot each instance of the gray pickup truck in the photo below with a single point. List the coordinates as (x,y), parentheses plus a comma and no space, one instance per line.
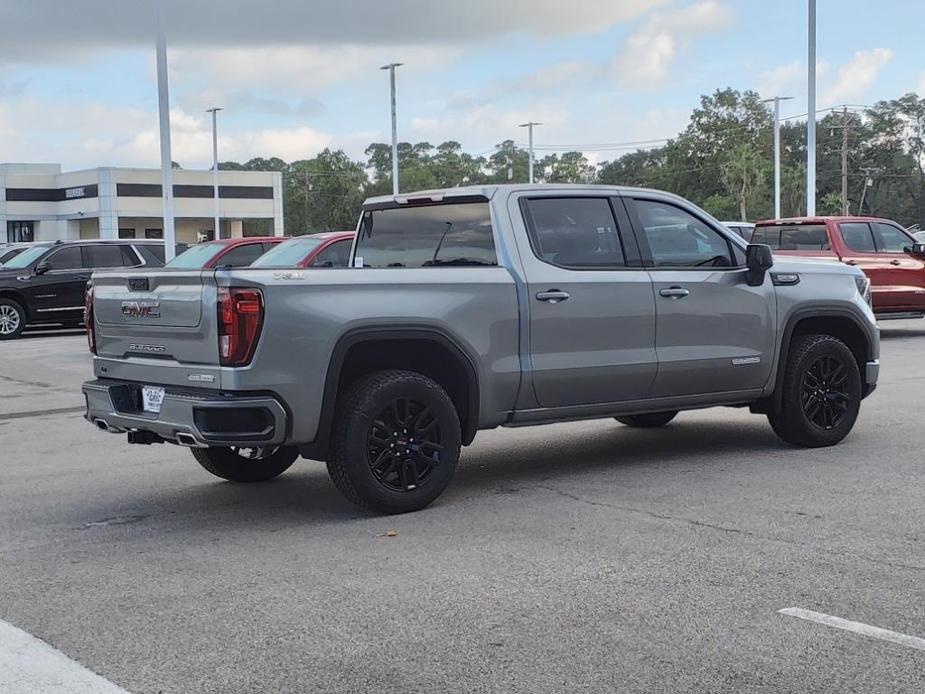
(469,309)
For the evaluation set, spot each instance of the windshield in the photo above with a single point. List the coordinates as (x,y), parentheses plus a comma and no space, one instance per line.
(288,253)
(25,259)
(196,256)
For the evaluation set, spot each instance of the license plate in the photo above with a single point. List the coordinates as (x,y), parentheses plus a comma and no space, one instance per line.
(152,397)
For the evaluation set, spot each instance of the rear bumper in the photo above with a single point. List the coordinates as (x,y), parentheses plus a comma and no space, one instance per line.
(189,417)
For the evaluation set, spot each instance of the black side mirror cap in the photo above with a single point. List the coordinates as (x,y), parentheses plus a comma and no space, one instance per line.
(758,259)
(916,249)
(42,268)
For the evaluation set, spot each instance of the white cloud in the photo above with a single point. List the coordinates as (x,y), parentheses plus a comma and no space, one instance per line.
(855,78)
(646,59)
(781,80)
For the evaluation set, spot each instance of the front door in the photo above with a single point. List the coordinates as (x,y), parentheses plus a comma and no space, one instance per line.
(592,312)
(902,276)
(58,293)
(715,333)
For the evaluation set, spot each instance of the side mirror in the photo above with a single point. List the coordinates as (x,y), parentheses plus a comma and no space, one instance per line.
(916,249)
(758,259)
(42,268)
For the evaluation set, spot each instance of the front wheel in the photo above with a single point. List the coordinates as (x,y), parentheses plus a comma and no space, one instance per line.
(821,394)
(649,420)
(241,464)
(396,442)
(12,319)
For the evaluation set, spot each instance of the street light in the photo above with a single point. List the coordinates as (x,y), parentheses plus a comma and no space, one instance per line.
(529,127)
(391,68)
(811,113)
(777,100)
(163,110)
(214,111)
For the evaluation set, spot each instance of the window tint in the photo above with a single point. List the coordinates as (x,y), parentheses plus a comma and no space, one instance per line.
(68,258)
(770,236)
(454,234)
(804,237)
(575,232)
(335,255)
(857,237)
(241,256)
(288,253)
(678,239)
(111,256)
(890,239)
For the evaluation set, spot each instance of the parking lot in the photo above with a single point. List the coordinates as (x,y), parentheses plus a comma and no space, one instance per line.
(583,557)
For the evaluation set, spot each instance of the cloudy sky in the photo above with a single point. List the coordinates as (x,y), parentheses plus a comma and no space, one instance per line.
(77,79)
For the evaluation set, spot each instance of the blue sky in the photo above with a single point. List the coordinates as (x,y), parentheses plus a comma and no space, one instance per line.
(294,77)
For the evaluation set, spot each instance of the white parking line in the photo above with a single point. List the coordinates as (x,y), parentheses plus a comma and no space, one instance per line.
(30,666)
(857,627)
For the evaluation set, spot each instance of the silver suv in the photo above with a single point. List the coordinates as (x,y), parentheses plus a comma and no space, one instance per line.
(474,308)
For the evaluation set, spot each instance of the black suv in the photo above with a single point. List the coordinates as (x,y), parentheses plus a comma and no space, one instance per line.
(46,282)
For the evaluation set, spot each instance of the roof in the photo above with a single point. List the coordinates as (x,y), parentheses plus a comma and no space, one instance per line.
(488,191)
(821,219)
(246,240)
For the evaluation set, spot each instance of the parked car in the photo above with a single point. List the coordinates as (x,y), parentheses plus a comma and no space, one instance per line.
(327,250)
(475,308)
(743,229)
(891,257)
(11,250)
(47,281)
(239,252)
(919,236)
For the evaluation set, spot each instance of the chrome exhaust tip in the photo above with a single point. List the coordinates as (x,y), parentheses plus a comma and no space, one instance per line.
(187,440)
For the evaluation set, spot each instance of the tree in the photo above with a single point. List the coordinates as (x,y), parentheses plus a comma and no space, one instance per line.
(743,173)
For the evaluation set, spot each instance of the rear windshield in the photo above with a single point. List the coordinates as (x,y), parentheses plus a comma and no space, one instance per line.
(288,253)
(196,256)
(26,258)
(448,235)
(793,237)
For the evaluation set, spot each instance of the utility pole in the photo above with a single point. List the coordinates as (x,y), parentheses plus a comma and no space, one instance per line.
(163,111)
(391,68)
(844,163)
(214,111)
(811,113)
(529,127)
(777,100)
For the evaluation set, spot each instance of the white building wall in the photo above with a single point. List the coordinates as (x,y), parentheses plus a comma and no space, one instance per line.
(106,195)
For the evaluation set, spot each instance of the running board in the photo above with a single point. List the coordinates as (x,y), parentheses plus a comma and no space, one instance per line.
(900,316)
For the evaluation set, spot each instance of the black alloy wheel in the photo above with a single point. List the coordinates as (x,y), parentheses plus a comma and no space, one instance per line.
(404,445)
(825,395)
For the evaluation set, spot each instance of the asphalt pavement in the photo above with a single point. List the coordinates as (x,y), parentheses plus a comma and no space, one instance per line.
(582,557)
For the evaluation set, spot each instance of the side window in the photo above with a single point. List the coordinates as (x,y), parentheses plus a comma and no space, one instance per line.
(678,239)
(102,256)
(575,232)
(857,236)
(68,258)
(335,255)
(890,239)
(241,256)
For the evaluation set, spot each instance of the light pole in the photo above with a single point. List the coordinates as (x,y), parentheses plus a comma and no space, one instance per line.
(811,113)
(391,68)
(163,110)
(777,100)
(529,127)
(214,111)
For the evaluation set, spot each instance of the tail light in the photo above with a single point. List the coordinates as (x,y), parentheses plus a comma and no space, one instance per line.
(240,317)
(88,320)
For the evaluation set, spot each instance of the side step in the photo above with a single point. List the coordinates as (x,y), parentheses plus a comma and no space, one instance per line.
(900,316)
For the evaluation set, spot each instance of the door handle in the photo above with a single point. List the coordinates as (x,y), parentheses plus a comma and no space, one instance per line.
(894,262)
(553,296)
(851,262)
(674,292)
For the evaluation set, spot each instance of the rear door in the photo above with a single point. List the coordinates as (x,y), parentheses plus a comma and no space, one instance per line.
(592,312)
(58,293)
(906,273)
(715,334)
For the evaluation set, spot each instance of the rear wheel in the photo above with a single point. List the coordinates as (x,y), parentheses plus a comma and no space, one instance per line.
(396,442)
(821,394)
(649,420)
(241,464)
(12,319)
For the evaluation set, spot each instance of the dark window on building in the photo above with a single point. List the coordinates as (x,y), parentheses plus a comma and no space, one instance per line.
(453,234)
(678,239)
(335,255)
(126,233)
(575,232)
(241,256)
(19,232)
(67,258)
(154,233)
(858,237)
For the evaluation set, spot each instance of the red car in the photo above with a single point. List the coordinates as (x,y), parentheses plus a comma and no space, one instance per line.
(890,256)
(330,249)
(239,252)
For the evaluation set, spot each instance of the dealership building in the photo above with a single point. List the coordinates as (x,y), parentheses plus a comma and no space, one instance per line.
(39,202)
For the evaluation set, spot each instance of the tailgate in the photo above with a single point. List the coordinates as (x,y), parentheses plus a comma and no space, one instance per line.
(157,326)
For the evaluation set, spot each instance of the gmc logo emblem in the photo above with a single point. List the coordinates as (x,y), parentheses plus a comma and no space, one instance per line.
(141,309)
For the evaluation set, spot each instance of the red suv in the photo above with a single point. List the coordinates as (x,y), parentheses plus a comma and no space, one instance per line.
(892,259)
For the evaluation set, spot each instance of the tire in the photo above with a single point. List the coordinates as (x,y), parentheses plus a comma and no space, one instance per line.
(12,319)
(821,394)
(375,461)
(648,421)
(246,464)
